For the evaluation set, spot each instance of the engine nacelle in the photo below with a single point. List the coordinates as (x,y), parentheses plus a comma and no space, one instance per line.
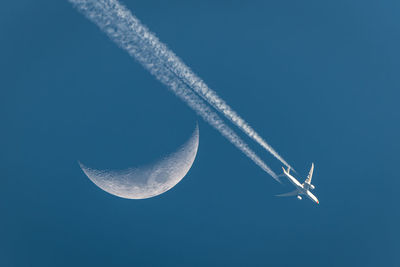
(312,187)
(299,198)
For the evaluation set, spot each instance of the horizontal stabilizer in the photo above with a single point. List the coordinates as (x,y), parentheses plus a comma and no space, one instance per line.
(289,194)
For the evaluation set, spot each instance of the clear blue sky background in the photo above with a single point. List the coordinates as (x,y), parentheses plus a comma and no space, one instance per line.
(319,80)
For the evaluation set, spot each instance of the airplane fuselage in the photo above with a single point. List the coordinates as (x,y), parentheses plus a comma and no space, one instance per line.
(300,187)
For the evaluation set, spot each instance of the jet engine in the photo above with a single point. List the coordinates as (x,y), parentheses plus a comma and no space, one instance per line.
(299,197)
(312,187)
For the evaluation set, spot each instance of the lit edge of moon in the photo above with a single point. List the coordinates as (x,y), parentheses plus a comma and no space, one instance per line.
(151,180)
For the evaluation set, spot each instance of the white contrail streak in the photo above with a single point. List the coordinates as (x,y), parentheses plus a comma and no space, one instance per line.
(122,27)
(196,83)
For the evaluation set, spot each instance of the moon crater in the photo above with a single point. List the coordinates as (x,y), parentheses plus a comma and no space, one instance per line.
(147,181)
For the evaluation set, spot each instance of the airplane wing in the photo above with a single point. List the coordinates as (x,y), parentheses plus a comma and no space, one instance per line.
(293,193)
(309,177)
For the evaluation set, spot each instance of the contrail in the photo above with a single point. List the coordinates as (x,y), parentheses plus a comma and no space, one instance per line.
(179,68)
(121,26)
(196,83)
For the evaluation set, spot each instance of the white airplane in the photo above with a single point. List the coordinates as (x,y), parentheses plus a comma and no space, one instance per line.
(301,189)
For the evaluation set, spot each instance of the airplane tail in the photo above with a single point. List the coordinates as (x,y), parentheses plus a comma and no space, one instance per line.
(284,174)
(288,169)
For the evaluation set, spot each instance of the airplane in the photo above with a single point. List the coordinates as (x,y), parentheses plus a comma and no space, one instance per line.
(301,189)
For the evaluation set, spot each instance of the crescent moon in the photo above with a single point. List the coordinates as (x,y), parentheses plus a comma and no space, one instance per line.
(148,181)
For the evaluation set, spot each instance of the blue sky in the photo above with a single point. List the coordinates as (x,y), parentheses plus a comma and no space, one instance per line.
(319,81)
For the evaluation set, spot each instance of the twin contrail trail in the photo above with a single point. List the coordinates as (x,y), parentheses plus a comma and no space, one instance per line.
(195,83)
(128,33)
